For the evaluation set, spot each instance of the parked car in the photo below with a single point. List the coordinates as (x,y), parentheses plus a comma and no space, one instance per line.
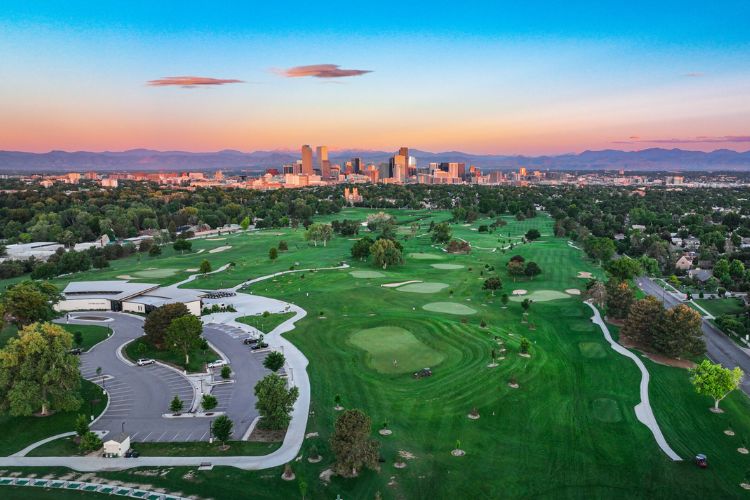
(76,350)
(145,361)
(259,345)
(250,341)
(217,363)
(131,453)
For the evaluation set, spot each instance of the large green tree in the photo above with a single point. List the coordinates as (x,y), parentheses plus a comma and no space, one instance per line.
(319,233)
(37,372)
(352,445)
(385,253)
(30,301)
(680,333)
(714,380)
(361,248)
(222,428)
(441,233)
(158,321)
(644,321)
(275,401)
(184,335)
(619,298)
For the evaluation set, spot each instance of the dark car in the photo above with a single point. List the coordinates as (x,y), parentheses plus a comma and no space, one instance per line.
(250,341)
(131,453)
(76,350)
(258,346)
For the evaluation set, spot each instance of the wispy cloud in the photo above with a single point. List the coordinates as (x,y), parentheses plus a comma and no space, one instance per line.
(189,82)
(694,74)
(321,71)
(701,139)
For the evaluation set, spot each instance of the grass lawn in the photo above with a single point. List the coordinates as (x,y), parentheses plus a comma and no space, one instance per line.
(387,344)
(19,432)
(140,348)
(718,307)
(91,334)
(266,324)
(66,447)
(568,431)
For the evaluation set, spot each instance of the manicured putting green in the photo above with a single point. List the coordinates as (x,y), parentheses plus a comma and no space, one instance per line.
(423,287)
(606,410)
(426,256)
(447,266)
(385,344)
(156,273)
(449,308)
(592,350)
(541,296)
(367,274)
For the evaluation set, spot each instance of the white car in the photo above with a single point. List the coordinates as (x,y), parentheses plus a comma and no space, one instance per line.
(145,361)
(217,363)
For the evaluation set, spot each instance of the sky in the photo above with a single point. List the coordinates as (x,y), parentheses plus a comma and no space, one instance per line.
(496,77)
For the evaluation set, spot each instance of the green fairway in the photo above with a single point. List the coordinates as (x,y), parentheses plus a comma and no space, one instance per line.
(592,349)
(447,266)
(367,274)
(449,308)
(391,349)
(423,287)
(607,410)
(265,323)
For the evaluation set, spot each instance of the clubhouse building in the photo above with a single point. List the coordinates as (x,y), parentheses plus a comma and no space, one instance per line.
(124,296)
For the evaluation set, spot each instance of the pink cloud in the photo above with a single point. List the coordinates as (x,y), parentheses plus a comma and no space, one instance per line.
(188,82)
(321,71)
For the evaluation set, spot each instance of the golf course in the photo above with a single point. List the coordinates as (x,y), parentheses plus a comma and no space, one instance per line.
(558,422)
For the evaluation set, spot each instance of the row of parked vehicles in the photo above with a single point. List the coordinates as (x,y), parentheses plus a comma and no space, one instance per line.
(255,344)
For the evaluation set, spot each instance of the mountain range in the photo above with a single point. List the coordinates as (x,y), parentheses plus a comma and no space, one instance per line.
(654,159)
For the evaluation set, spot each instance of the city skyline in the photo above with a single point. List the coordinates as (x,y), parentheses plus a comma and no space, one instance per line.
(501,79)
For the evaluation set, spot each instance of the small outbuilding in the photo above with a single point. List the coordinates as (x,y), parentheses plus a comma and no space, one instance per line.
(117,446)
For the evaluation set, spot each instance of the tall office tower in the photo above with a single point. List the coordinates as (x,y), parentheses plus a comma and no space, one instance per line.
(357,165)
(307,164)
(522,171)
(323,164)
(403,151)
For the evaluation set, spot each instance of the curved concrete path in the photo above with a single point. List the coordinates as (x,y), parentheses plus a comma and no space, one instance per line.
(643,410)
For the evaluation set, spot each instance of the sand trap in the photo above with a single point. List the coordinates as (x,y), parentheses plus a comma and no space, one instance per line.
(447,266)
(201,251)
(423,287)
(367,274)
(584,274)
(126,277)
(220,249)
(426,256)
(449,308)
(215,239)
(520,292)
(573,291)
(154,272)
(542,296)
(394,285)
(192,270)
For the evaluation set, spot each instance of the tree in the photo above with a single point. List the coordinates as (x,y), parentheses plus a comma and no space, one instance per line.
(77,338)
(158,321)
(361,248)
(209,402)
(680,332)
(504,299)
(184,335)
(441,233)
(30,301)
(714,380)
(226,372)
(38,372)
(319,232)
(181,244)
(176,405)
(516,268)
(598,293)
(351,444)
(155,251)
(619,298)
(532,234)
(532,269)
(624,268)
(525,345)
(492,284)
(273,253)
(644,321)
(526,304)
(245,223)
(274,361)
(384,253)
(600,248)
(283,246)
(89,442)
(222,429)
(275,401)
(205,267)
(81,425)
(458,246)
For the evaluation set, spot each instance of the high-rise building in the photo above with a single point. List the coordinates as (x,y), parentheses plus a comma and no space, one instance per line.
(323,164)
(357,165)
(307,163)
(522,171)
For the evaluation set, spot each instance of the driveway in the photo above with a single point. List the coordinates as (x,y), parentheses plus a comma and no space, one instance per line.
(719,348)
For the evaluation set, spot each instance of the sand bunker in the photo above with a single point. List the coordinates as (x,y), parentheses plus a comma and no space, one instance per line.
(215,239)
(542,296)
(573,291)
(367,274)
(192,270)
(520,292)
(449,308)
(126,277)
(584,274)
(426,256)
(394,285)
(220,249)
(447,266)
(201,251)
(423,287)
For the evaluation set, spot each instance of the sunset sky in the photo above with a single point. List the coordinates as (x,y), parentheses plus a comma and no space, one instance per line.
(484,77)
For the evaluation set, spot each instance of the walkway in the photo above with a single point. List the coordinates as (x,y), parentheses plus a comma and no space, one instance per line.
(643,410)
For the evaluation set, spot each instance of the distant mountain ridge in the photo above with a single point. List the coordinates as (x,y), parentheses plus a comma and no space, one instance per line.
(151,160)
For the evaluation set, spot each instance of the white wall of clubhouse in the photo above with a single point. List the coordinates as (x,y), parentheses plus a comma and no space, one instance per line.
(83,305)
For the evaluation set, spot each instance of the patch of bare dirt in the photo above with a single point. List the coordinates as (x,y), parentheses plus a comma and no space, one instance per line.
(266,435)
(655,357)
